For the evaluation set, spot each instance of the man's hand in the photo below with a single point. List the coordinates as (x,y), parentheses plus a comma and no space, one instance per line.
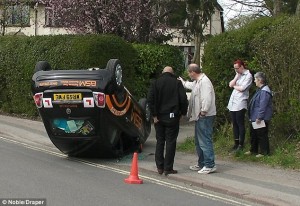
(182,81)
(155,120)
(202,114)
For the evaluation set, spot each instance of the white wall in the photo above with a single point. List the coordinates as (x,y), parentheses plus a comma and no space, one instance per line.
(37,25)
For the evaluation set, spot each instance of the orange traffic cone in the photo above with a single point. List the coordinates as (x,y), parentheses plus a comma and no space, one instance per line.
(134,177)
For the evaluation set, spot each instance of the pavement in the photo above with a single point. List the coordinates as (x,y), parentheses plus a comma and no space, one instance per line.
(250,181)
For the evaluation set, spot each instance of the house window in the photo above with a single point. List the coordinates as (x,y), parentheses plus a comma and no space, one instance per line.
(51,19)
(190,54)
(18,15)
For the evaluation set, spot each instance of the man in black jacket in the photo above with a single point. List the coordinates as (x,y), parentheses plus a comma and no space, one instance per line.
(168,101)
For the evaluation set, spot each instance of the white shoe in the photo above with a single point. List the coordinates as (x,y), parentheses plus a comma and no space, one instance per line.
(195,168)
(259,155)
(207,170)
(248,153)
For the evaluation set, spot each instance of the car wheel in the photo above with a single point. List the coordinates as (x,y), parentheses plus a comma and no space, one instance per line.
(145,106)
(119,148)
(114,66)
(117,145)
(140,148)
(42,66)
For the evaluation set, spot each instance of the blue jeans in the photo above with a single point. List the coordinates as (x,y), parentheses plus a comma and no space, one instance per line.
(204,142)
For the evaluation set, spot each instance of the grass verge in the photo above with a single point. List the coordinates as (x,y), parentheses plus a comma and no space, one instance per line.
(284,155)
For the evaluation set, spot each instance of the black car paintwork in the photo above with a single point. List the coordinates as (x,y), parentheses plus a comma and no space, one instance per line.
(122,125)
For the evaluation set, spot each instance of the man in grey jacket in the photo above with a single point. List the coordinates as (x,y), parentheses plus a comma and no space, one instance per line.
(202,110)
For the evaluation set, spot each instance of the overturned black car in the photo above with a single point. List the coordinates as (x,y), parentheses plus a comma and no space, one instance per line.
(90,112)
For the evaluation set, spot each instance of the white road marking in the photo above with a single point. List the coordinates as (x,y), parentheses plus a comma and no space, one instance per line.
(120,171)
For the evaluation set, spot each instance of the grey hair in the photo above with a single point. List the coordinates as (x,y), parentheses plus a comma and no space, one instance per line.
(261,76)
(194,68)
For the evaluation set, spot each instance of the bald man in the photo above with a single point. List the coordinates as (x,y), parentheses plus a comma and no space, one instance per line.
(168,69)
(168,101)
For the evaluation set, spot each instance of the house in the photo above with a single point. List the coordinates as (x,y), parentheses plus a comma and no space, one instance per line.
(32,19)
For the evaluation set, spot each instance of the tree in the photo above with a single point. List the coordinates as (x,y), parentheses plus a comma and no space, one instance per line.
(298,9)
(239,22)
(134,20)
(263,7)
(247,10)
(199,13)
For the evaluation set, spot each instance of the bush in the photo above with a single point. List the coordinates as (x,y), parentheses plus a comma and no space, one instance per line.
(152,58)
(278,55)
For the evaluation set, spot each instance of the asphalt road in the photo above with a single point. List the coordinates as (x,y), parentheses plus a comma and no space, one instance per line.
(31,167)
(27,173)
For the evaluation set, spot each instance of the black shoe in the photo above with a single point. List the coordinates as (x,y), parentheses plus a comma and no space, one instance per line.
(239,148)
(234,148)
(171,172)
(160,171)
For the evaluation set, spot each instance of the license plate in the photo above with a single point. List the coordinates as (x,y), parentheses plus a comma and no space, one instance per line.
(67,97)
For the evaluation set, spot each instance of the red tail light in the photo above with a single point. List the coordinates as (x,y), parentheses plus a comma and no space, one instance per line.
(38,99)
(99,99)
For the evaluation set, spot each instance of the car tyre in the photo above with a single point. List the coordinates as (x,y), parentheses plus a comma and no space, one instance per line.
(42,66)
(115,68)
(145,106)
(140,148)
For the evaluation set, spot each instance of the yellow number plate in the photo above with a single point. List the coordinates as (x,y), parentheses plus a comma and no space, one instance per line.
(67,97)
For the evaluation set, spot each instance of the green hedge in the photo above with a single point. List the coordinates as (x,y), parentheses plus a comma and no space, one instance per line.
(278,55)
(152,58)
(267,44)
(19,54)
(221,51)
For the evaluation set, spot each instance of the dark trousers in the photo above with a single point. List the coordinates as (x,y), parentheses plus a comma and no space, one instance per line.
(260,140)
(166,134)
(238,122)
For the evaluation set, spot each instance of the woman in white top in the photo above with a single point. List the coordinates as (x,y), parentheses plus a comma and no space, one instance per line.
(238,102)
